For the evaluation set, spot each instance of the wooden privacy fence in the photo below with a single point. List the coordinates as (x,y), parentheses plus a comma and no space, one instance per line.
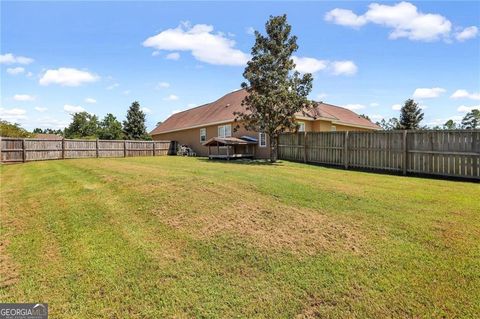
(31,149)
(454,153)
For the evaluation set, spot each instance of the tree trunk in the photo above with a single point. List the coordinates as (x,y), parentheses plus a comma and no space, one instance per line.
(273,148)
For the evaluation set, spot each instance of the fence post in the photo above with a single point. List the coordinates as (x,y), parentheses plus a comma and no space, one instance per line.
(345,150)
(153,143)
(405,152)
(305,160)
(124,148)
(96,147)
(24,155)
(63,147)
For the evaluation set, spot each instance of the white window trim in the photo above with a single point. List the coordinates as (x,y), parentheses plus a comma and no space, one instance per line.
(224,129)
(204,131)
(260,139)
(299,125)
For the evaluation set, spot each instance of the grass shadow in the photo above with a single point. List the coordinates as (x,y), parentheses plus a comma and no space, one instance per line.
(242,161)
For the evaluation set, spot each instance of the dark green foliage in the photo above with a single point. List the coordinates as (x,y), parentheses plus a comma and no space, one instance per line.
(450,125)
(365,117)
(47,131)
(83,125)
(471,120)
(276,91)
(110,128)
(410,116)
(8,129)
(134,126)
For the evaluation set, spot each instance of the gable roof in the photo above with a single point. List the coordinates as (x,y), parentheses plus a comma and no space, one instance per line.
(222,110)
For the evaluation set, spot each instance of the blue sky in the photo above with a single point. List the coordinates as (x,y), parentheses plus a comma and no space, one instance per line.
(62,57)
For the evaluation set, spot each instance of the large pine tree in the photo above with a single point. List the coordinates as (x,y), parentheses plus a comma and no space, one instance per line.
(471,120)
(134,126)
(410,116)
(276,91)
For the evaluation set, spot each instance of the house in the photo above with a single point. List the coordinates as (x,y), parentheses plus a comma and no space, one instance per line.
(198,126)
(45,136)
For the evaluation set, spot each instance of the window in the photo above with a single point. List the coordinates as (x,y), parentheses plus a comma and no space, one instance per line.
(203,135)
(225,130)
(262,139)
(301,126)
(334,128)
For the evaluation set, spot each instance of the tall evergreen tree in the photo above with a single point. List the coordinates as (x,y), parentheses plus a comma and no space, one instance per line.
(134,126)
(83,125)
(410,116)
(276,91)
(110,128)
(471,120)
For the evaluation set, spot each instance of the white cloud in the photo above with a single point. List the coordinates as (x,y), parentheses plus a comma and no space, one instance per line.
(162,85)
(29,74)
(405,20)
(308,65)
(90,100)
(23,97)
(113,86)
(427,93)
(9,58)
(175,111)
(67,77)
(146,110)
(250,31)
(173,56)
(374,104)
(205,46)
(171,97)
(40,109)
(396,107)
(155,53)
(466,109)
(312,65)
(73,108)
(190,105)
(467,33)
(441,121)
(354,107)
(126,92)
(345,17)
(13,114)
(344,68)
(459,94)
(49,122)
(15,71)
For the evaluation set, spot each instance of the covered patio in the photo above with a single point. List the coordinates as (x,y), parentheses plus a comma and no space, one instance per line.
(231,147)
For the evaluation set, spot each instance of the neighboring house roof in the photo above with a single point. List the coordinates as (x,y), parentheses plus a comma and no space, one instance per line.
(48,136)
(221,111)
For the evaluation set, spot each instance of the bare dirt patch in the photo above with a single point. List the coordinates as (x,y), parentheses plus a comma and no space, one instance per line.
(275,226)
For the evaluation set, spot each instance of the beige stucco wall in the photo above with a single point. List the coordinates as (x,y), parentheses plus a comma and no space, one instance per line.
(191,137)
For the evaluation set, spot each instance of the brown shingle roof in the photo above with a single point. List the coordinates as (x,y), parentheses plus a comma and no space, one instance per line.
(48,136)
(222,110)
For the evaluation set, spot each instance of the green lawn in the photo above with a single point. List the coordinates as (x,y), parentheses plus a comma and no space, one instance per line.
(184,237)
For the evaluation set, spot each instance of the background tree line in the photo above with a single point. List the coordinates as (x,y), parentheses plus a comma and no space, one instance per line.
(88,126)
(411,117)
